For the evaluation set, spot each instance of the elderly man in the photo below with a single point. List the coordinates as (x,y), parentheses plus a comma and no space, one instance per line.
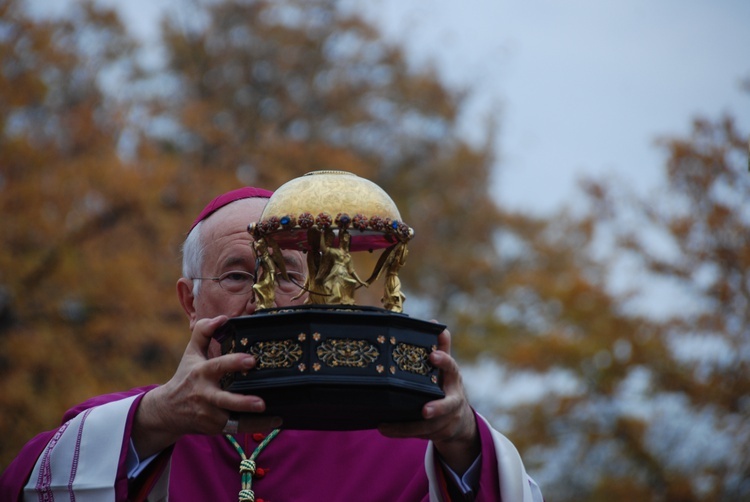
(180,440)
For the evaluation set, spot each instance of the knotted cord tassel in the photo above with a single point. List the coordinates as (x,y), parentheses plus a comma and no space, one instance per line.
(247,466)
(247,496)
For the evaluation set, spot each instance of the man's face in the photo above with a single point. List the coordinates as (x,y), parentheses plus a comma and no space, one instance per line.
(227,248)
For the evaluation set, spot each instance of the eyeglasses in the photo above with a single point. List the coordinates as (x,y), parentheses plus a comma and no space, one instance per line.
(239,282)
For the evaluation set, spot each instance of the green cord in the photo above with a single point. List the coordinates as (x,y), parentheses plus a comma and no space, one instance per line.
(247,465)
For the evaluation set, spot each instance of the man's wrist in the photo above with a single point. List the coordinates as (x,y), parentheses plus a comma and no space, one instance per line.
(461,451)
(149,436)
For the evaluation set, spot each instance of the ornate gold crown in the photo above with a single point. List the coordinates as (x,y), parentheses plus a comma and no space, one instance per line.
(328,214)
(332,199)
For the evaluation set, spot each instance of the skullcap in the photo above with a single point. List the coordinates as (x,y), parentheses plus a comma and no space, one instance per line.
(229,197)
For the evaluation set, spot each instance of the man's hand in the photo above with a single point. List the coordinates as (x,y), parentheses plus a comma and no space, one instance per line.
(449,422)
(192,402)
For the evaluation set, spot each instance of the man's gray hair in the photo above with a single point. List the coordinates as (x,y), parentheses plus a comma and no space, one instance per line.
(192,256)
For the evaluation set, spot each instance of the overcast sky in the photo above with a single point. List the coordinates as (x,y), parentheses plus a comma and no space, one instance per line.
(581,87)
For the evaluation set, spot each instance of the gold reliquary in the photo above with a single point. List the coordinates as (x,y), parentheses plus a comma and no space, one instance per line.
(331,364)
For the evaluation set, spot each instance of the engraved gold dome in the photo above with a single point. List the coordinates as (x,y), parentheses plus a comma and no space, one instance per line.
(335,199)
(331,192)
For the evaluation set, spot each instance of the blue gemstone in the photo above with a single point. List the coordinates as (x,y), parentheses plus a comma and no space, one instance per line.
(285,220)
(394,225)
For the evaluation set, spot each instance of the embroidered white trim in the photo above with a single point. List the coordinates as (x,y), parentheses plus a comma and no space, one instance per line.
(80,462)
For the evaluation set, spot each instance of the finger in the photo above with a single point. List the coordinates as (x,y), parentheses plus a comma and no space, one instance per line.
(448,367)
(450,404)
(204,329)
(444,341)
(452,386)
(239,403)
(216,367)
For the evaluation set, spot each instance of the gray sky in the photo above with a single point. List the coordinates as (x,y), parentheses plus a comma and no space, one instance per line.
(581,87)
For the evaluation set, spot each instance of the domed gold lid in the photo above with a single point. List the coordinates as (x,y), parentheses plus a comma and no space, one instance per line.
(332,199)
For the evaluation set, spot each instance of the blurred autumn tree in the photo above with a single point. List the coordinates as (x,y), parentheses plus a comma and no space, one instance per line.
(103,164)
(84,264)
(625,404)
(696,432)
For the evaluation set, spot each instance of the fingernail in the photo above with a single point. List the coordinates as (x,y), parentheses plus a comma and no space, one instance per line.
(248,362)
(429,411)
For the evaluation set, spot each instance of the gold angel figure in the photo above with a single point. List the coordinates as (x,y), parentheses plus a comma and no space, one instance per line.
(391,261)
(313,284)
(264,288)
(336,271)
(393,298)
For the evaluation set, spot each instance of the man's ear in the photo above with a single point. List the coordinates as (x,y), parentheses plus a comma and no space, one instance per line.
(187,300)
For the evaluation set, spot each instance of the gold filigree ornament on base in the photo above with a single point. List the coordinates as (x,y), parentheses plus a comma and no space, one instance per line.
(331,364)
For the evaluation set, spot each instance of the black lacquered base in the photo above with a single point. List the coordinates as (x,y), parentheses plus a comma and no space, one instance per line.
(332,367)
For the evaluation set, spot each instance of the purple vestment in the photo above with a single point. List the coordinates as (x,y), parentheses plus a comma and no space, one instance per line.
(297,465)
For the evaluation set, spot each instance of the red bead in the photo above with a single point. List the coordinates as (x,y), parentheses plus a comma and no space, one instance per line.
(258,437)
(260,472)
